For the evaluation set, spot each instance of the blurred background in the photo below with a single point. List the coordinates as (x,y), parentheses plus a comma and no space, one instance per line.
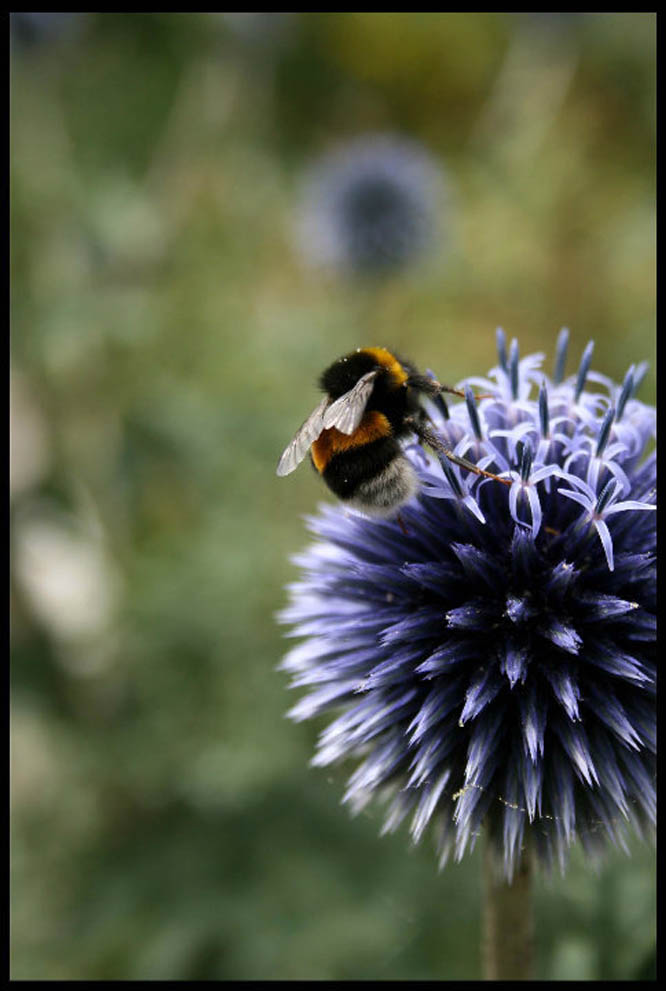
(197,229)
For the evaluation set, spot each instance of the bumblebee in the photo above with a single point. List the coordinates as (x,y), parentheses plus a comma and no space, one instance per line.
(371,403)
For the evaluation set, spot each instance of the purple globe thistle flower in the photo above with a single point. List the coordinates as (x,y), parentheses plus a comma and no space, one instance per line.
(370,206)
(492,665)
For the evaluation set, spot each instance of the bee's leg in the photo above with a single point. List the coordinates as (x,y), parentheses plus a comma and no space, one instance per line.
(458,392)
(431,439)
(431,387)
(401,524)
(464,463)
(424,383)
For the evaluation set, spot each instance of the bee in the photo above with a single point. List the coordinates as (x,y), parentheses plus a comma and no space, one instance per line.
(371,403)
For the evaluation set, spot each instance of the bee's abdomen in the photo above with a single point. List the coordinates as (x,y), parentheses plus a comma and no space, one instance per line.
(374,429)
(376,478)
(346,470)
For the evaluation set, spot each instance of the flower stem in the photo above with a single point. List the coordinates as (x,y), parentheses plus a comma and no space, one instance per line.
(507,920)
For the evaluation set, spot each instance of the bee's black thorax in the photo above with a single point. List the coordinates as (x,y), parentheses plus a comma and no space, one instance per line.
(344,373)
(391,394)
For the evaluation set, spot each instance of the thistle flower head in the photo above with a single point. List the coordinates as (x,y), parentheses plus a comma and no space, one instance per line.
(370,205)
(493,666)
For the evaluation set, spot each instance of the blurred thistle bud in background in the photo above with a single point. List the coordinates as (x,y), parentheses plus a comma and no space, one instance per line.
(492,666)
(263,29)
(370,206)
(28,29)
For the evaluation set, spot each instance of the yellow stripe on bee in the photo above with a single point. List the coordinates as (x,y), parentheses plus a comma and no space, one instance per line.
(388,361)
(373,426)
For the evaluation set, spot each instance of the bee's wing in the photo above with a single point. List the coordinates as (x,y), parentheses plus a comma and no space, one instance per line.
(306,435)
(346,413)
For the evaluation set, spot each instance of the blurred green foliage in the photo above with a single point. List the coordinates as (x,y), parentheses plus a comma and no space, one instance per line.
(165,341)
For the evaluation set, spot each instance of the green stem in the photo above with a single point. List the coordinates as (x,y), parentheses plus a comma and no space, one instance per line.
(507,920)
